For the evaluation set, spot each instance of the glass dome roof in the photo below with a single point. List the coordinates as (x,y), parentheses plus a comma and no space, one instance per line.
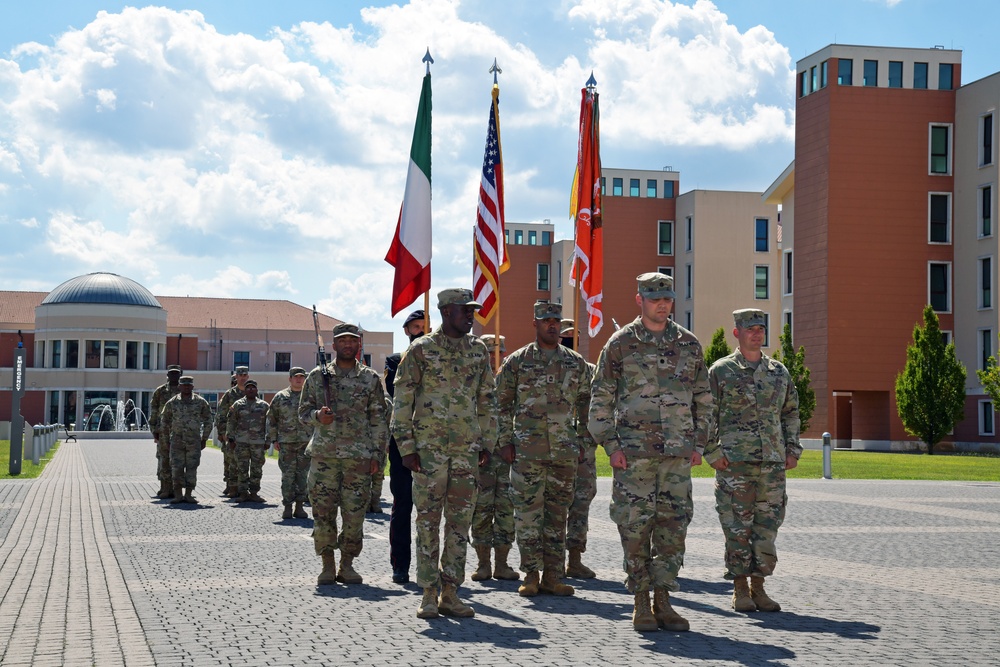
(102,288)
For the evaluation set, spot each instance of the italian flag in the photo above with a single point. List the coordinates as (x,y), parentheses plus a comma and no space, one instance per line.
(410,252)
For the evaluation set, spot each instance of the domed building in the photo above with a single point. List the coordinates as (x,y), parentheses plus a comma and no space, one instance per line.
(98,345)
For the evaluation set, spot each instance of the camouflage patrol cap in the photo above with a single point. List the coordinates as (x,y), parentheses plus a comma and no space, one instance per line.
(491,342)
(296,370)
(457,297)
(173,368)
(346,329)
(186,379)
(749,317)
(655,285)
(250,383)
(243,370)
(565,327)
(546,309)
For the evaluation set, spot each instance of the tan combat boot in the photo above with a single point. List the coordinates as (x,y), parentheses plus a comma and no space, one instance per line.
(329,574)
(165,490)
(287,512)
(178,495)
(482,572)
(642,618)
(550,584)
(300,512)
(347,573)
(429,603)
(575,568)
(450,605)
(666,617)
(741,596)
(529,588)
(502,570)
(760,597)
(189,496)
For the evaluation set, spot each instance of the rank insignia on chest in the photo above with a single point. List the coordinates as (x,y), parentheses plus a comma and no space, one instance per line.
(550,379)
(661,362)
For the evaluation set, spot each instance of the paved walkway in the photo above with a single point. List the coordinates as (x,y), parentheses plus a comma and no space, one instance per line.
(95,571)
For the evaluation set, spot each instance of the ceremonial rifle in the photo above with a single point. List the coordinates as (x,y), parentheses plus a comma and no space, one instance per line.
(323,368)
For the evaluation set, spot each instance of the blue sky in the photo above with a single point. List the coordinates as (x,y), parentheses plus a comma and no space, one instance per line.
(258,149)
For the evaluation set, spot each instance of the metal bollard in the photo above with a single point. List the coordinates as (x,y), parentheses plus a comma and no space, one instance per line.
(36,444)
(827,462)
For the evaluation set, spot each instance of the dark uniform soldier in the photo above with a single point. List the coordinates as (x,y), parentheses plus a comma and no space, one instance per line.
(186,423)
(234,393)
(246,430)
(290,437)
(161,395)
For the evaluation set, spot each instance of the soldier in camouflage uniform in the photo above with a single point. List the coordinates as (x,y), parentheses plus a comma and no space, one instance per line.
(233,394)
(348,441)
(543,395)
(584,492)
(186,422)
(651,409)
(444,423)
(289,436)
(493,518)
(246,431)
(755,439)
(161,395)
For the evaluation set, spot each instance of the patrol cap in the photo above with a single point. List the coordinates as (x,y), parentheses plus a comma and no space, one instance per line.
(457,297)
(250,383)
(413,317)
(346,329)
(655,285)
(296,370)
(173,368)
(749,317)
(491,342)
(546,309)
(566,327)
(243,370)
(186,379)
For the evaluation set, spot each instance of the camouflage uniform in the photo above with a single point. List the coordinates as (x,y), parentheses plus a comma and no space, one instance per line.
(185,424)
(341,453)
(756,424)
(584,490)
(493,518)
(651,400)
(444,409)
(284,427)
(226,401)
(161,395)
(542,395)
(247,423)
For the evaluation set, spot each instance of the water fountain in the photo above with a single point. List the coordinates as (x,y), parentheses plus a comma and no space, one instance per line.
(125,420)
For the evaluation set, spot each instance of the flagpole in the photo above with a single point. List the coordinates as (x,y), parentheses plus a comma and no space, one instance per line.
(427,295)
(495,70)
(591,87)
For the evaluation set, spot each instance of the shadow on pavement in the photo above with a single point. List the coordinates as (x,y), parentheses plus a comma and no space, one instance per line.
(468,630)
(792,622)
(698,646)
(363,592)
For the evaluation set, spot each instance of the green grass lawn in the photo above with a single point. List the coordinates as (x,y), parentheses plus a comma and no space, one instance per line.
(28,469)
(874,465)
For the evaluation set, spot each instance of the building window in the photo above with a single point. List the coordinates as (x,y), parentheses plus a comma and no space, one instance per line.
(986,143)
(688,320)
(761,289)
(871,73)
(940,149)
(616,187)
(690,281)
(92,352)
(532,237)
(518,237)
(558,274)
(651,187)
(111,354)
(788,323)
(814,80)
(803,84)
(940,207)
(945,71)
(788,272)
(72,354)
(845,74)
(986,211)
(666,270)
(56,354)
(985,348)
(760,243)
(690,234)
(282,362)
(666,238)
(132,354)
(986,282)
(506,236)
(895,74)
(668,189)
(546,238)
(543,277)
(633,187)
(767,330)
(146,356)
(986,418)
(823,73)
(604,186)
(939,286)
(241,359)
(920,75)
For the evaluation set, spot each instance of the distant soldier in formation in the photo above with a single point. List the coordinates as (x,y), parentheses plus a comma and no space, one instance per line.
(161,395)
(651,410)
(290,437)
(444,423)
(493,518)
(186,422)
(400,477)
(584,486)
(246,431)
(543,394)
(754,440)
(226,401)
(348,441)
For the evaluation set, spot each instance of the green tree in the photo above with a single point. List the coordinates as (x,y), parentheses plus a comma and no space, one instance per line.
(795,362)
(718,347)
(930,392)
(990,379)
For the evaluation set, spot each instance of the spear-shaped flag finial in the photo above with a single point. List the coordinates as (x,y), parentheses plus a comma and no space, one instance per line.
(430,61)
(495,70)
(591,82)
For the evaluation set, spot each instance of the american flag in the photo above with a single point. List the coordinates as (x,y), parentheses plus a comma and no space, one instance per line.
(489,246)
